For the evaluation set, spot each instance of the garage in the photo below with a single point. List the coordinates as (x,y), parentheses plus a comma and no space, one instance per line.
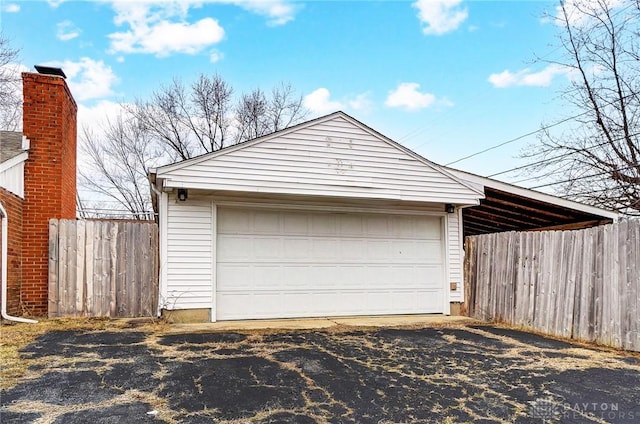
(325,218)
(292,263)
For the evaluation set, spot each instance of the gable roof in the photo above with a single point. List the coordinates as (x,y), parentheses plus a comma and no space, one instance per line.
(10,145)
(334,155)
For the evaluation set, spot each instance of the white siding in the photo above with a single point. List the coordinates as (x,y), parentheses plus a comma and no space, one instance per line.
(189,261)
(456,257)
(333,157)
(12,179)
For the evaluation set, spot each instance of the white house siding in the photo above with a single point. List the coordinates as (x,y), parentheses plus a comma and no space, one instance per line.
(189,255)
(334,157)
(12,178)
(456,257)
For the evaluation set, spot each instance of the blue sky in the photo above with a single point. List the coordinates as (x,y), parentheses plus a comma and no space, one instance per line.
(446,78)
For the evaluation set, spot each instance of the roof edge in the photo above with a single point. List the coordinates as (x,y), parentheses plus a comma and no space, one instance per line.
(10,163)
(537,195)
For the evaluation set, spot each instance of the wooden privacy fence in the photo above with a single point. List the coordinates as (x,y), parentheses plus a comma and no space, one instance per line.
(582,284)
(103,268)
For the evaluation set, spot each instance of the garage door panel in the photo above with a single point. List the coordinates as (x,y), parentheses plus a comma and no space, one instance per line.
(296,248)
(352,249)
(351,226)
(242,305)
(416,251)
(377,226)
(323,276)
(232,247)
(295,264)
(238,222)
(267,223)
(379,249)
(352,276)
(324,248)
(266,247)
(324,224)
(234,277)
(295,223)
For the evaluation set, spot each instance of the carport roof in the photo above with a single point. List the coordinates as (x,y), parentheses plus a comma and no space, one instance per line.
(511,208)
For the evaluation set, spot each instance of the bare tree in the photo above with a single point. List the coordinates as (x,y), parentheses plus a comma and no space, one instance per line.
(284,108)
(597,160)
(116,164)
(258,115)
(10,89)
(212,96)
(251,116)
(176,123)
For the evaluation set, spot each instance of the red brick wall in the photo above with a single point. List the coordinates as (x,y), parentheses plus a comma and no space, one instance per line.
(49,122)
(13,206)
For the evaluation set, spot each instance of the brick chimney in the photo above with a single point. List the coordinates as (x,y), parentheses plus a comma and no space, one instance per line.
(49,122)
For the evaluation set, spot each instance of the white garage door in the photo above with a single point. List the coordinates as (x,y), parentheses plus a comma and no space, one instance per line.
(279,264)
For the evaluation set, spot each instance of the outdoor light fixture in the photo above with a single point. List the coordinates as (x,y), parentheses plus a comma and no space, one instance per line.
(449,208)
(182,194)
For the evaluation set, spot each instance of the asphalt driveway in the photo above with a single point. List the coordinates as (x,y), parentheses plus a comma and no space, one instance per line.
(440,374)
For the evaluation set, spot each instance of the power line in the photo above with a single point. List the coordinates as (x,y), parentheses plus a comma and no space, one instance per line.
(582,193)
(546,127)
(537,131)
(560,156)
(537,177)
(585,177)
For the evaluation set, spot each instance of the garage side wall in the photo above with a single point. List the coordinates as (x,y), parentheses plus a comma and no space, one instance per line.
(456,255)
(189,263)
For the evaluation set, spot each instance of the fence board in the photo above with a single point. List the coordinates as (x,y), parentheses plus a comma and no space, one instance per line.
(67,263)
(580,284)
(79,269)
(88,270)
(103,268)
(105,265)
(53,268)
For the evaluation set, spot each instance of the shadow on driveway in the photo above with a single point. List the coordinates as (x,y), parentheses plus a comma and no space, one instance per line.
(457,374)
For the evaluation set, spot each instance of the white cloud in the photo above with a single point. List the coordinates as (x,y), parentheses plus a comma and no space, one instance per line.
(576,10)
(215,56)
(94,117)
(319,101)
(440,16)
(88,78)
(279,12)
(163,27)
(408,96)
(149,33)
(361,102)
(66,31)
(11,8)
(526,77)
(55,3)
